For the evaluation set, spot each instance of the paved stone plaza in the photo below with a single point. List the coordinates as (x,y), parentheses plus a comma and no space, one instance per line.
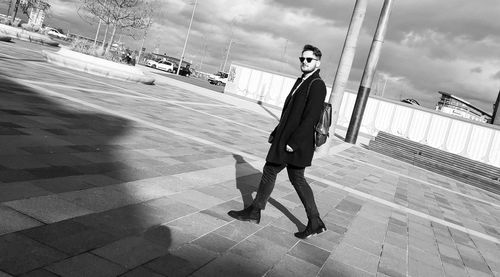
(100,177)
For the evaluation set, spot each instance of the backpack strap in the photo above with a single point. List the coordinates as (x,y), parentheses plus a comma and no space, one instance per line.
(310,84)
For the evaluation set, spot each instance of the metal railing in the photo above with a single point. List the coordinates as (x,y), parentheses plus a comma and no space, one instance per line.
(474,140)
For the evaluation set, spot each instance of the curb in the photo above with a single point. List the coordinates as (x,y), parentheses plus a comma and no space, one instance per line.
(97,66)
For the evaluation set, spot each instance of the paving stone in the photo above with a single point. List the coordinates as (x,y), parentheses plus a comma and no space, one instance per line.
(221,191)
(473,259)
(130,252)
(197,224)
(168,237)
(396,240)
(21,254)
(339,218)
(327,240)
(478,273)
(348,207)
(418,268)
(69,237)
(182,262)
(237,230)
(309,253)
(85,265)
(363,260)
(99,199)
(215,243)
(448,251)
(39,273)
(339,269)
(427,257)
(20,190)
(125,221)
(393,261)
(197,199)
(363,243)
(170,208)
(14,175)
(261,250)
(47,209)
(232,265)
(369,229)
(278,236)
(141,272)
(454,270)
(291,266)
(64,184)
(14,221)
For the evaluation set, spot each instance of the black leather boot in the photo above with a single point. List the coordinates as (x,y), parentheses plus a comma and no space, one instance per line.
(312,230)
(250,213)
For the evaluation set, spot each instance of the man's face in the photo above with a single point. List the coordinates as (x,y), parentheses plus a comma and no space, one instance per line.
(306,66)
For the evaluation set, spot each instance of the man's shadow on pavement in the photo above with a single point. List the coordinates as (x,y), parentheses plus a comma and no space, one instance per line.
(247,189)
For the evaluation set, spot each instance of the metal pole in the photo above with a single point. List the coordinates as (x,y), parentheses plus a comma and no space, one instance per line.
(227,55)
(187,37)
(204,53)
(97,33)
(385,84)
(10,6)
(346,58)
(366,80)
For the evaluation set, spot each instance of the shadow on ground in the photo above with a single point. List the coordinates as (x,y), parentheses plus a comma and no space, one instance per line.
(246,191)
(50,149)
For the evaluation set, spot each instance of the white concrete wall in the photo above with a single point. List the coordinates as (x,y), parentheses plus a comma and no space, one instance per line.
(470,139)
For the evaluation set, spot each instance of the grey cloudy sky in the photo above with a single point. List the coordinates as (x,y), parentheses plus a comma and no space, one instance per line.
(430,46)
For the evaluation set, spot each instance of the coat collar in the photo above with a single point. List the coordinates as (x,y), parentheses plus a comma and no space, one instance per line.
(306,76)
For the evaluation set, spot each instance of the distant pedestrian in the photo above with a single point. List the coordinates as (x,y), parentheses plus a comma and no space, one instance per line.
(292,144)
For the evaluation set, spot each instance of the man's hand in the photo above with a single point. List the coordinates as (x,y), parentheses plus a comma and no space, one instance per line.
(288,148)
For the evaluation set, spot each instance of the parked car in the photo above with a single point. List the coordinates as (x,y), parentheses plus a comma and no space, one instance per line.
(185,71)
(219,78)
(165,66)
(55,33)
(152,63)
(162,65)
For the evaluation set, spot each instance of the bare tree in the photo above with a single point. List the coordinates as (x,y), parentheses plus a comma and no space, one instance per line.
(121,14)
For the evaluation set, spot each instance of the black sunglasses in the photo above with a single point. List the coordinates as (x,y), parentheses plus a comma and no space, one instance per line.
(301,59)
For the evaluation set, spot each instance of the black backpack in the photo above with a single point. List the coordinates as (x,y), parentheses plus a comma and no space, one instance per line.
(325,121)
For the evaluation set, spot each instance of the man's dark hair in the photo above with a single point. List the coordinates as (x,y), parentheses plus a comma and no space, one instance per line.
(314,49)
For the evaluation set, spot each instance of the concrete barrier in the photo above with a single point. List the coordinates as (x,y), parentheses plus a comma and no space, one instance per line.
(97,66)
(18,33)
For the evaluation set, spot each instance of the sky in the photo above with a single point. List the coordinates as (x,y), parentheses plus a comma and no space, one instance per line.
(430,46)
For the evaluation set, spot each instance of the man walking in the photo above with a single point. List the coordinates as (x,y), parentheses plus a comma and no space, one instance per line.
(292,144)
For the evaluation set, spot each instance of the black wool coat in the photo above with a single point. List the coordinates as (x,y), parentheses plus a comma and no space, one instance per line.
(301,112)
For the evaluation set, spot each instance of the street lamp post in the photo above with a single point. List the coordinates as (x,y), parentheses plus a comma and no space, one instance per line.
(96,33)
(187,37)
(227,55)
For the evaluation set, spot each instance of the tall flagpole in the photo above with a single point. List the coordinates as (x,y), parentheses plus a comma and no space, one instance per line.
(187,37)
(367,79)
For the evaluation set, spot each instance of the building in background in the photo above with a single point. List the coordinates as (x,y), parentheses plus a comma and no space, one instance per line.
(451,104)
(411,101)
(37,13)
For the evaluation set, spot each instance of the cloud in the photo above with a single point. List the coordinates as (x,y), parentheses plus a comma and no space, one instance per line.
(496,76)
(448,45)
(476,70)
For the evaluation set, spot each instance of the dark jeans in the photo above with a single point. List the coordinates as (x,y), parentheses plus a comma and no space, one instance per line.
(296,176)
